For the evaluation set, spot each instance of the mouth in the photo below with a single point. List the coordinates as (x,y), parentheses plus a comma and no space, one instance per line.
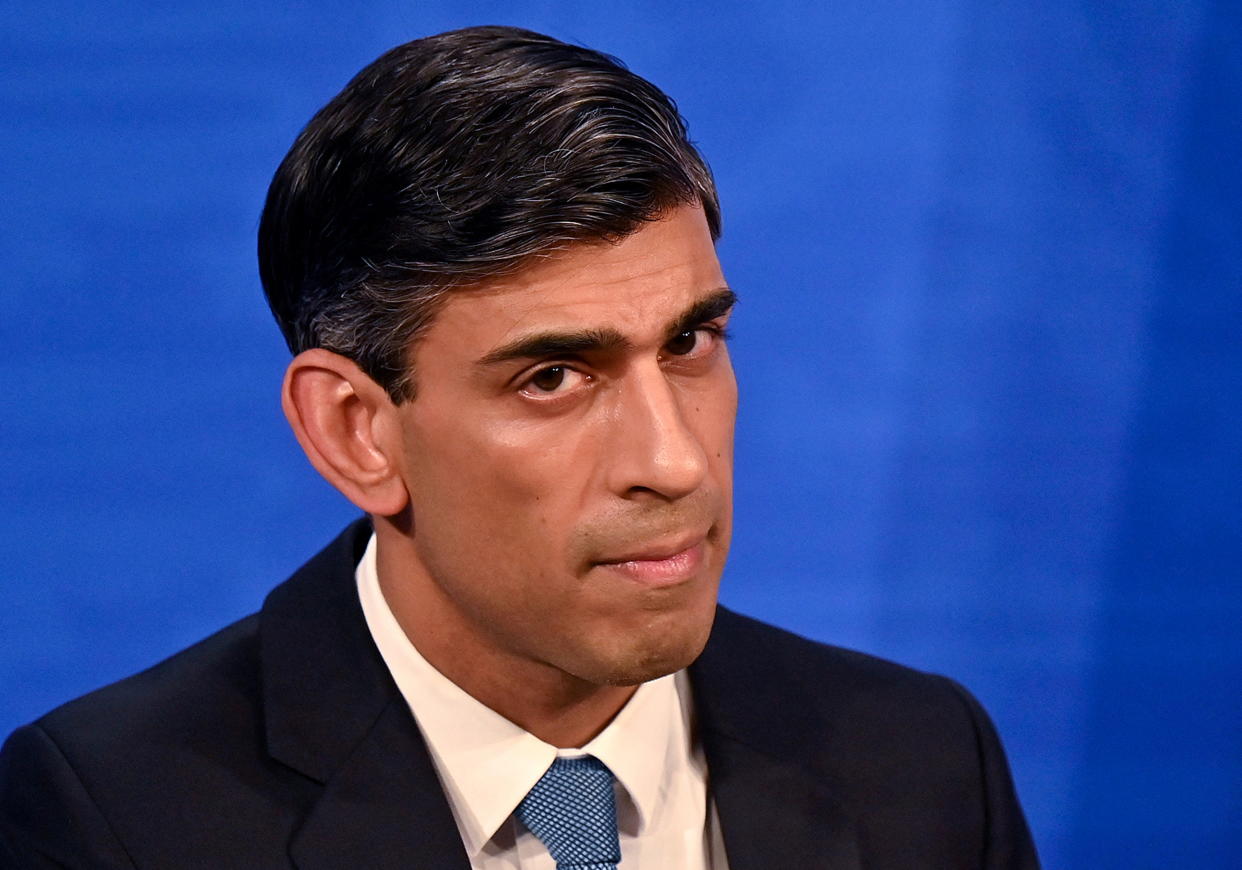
(661,564)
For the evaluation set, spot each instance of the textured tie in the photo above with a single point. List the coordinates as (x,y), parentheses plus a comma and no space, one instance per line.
(574,814)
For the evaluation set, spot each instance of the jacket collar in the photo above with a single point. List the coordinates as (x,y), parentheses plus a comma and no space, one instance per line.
(333,713)
(774,809)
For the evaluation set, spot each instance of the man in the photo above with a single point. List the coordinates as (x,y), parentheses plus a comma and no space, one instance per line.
(493,258)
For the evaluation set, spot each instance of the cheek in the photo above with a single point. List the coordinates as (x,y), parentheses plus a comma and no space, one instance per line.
(498,489)
(712,404)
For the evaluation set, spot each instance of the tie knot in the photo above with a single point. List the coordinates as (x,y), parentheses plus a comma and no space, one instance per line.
(573,812)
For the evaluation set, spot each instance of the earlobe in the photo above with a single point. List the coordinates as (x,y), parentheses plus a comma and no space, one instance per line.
(341,417)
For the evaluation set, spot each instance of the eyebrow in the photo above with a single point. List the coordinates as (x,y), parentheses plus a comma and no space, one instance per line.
(558,343)
(718,304)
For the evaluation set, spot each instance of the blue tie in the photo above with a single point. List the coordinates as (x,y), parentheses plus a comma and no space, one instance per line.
(574,814)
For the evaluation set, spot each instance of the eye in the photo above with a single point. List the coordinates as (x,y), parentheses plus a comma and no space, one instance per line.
(682,343)
(553,380)
(548,379)
(693,342)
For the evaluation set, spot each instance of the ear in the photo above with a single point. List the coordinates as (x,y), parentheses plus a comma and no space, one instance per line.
(348,427)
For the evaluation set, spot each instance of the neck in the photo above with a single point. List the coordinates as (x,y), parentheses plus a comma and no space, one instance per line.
(557,707)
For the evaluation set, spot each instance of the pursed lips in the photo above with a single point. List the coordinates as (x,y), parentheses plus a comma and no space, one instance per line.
(663,563)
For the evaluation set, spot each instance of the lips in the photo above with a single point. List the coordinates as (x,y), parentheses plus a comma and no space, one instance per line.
(662,564)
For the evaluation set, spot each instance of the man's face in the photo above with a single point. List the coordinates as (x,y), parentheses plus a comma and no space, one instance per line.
(569,456)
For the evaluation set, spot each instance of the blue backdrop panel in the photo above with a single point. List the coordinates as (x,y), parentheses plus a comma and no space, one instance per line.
(990,346)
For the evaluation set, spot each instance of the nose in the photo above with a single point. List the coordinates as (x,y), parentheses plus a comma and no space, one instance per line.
(655,450)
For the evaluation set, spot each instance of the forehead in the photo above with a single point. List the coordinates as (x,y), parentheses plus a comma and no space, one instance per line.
(635,285)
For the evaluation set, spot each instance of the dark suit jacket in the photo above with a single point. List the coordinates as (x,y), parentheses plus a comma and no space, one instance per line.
(282,741)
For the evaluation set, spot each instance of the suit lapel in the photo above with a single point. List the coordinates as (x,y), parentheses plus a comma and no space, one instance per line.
(332,712)
(383,809)
(772,814)
(774,811)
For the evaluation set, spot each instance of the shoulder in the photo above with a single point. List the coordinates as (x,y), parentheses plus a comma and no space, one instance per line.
(131,767)
(774,662)
(197,688)
(83,779)
(910,756)
(844,710)
(215,687)
(198,708)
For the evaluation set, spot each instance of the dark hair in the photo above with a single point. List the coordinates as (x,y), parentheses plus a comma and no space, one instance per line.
(453,159)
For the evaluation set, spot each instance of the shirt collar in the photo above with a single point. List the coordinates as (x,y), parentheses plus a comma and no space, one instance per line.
(487,764)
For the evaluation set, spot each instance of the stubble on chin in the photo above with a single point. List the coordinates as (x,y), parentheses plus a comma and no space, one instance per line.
(666,643)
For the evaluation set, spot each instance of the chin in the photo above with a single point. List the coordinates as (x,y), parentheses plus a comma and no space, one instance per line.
(649,654)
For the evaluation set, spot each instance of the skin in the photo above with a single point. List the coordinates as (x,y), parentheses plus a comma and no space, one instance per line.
(553,510)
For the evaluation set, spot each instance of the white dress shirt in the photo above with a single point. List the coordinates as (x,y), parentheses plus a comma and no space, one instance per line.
(487,764)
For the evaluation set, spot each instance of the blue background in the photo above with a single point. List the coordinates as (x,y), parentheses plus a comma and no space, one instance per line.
(990,345)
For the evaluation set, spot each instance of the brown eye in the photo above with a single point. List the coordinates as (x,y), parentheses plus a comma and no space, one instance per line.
(548,379)
(682,343)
